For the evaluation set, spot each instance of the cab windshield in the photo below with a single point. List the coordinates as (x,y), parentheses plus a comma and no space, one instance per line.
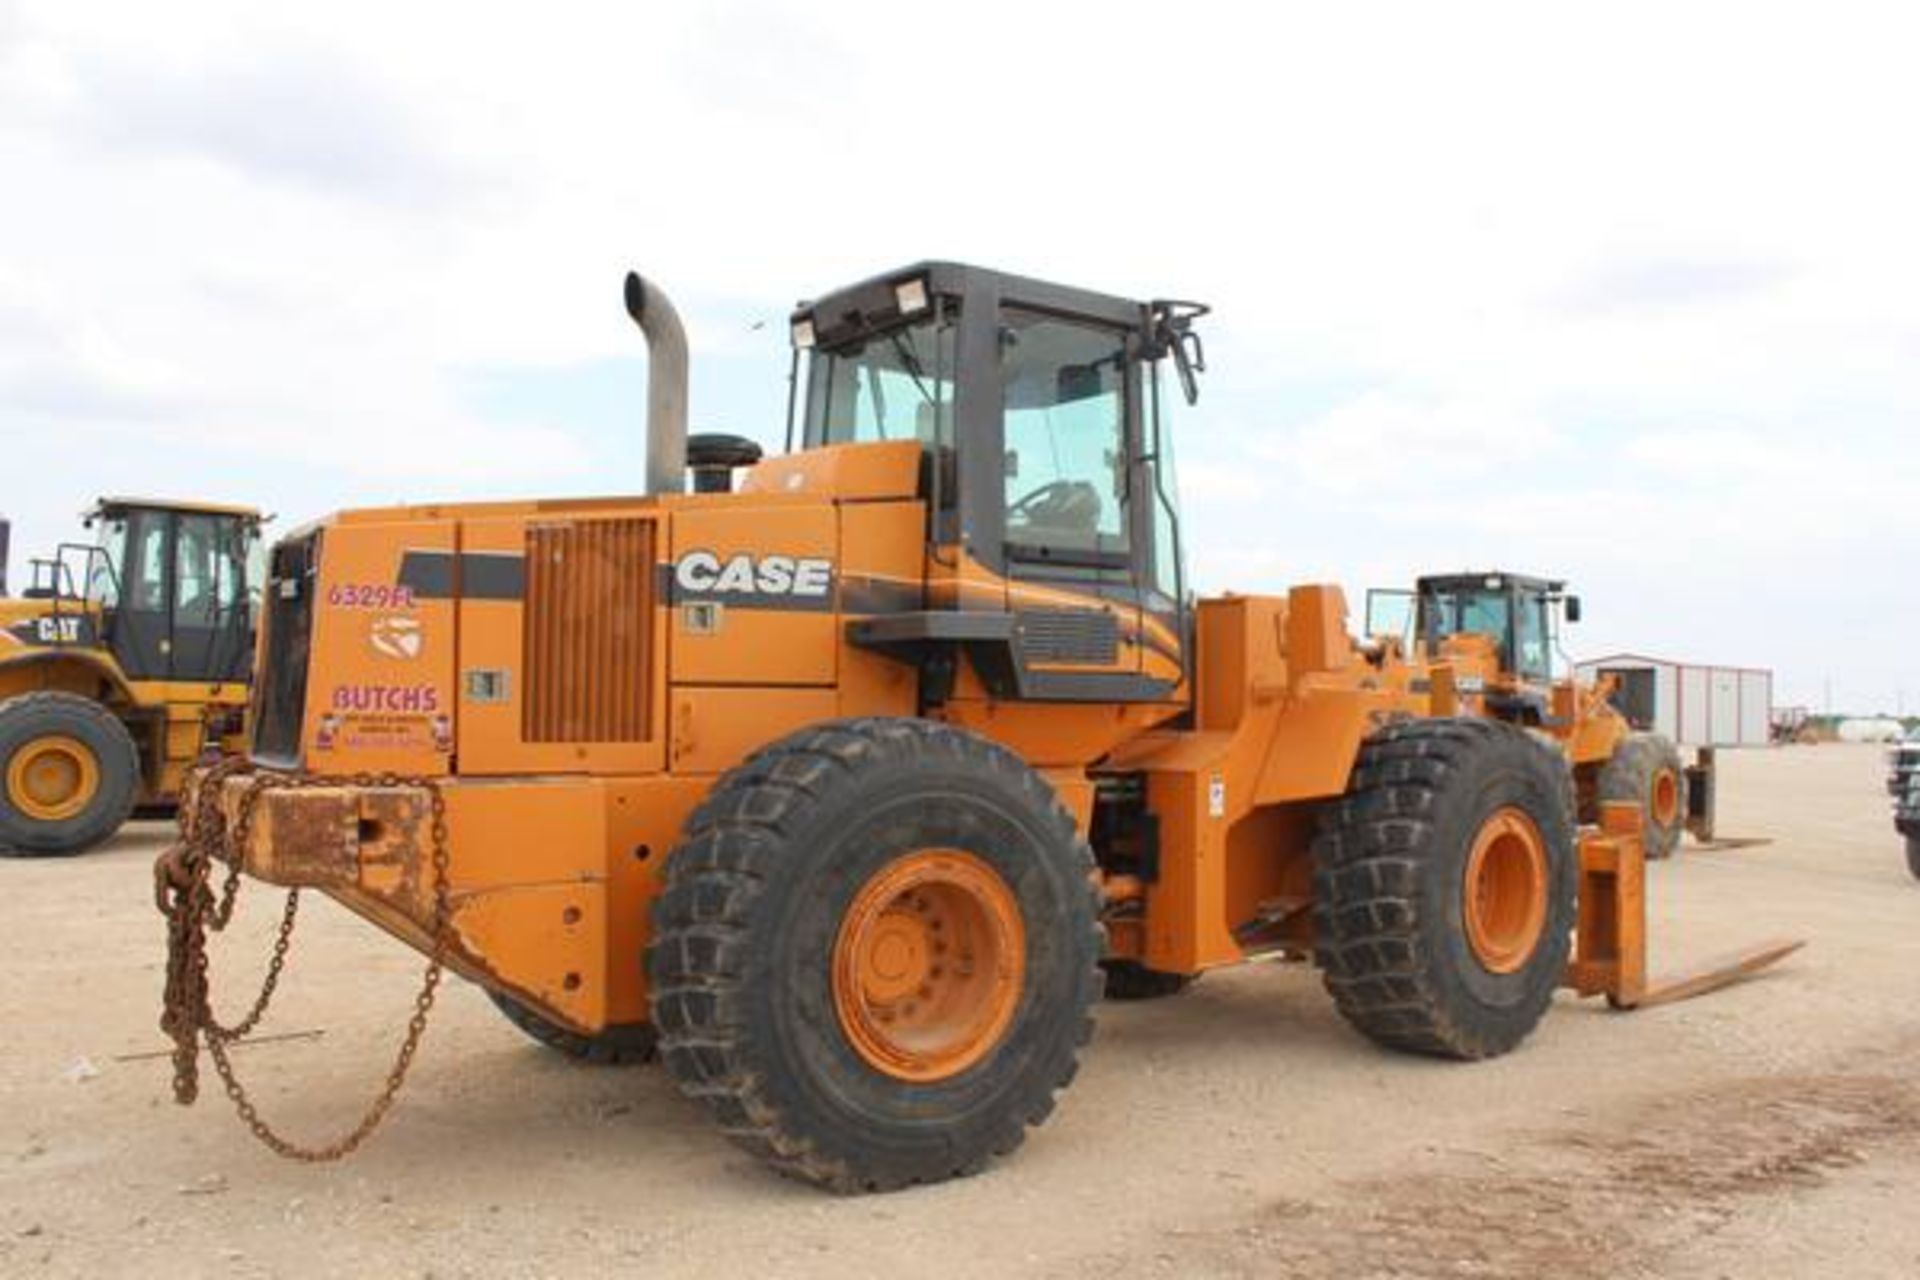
(1480,613)
(1520,635)
(895,385)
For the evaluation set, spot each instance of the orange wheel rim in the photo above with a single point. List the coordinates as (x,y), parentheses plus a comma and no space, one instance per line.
(1666,797)
(52,779)
(929,965)
(1506,891)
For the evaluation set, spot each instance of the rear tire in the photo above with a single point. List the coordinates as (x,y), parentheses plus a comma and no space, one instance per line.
(1913,856)
(1646,770)
(69,774)
(804,1003)
(615,1046)
(1131,980)
(1414,958)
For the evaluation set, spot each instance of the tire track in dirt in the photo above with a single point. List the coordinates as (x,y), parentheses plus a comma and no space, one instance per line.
(1574,1204)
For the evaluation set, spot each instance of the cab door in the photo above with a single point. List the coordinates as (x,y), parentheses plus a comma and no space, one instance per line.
(132,580)
(1073,539)
(210,631)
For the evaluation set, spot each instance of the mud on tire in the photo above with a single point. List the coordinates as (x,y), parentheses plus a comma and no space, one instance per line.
(742,963)
(1391,861)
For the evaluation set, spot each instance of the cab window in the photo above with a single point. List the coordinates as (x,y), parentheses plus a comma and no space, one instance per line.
(207,570)
(1479,615)
(104,565)
(1064,405)
(143,574)
(1530,638)
(892,386)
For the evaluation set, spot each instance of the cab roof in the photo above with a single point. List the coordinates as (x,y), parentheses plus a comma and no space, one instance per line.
(113,505)
(871,303)
(1490,580)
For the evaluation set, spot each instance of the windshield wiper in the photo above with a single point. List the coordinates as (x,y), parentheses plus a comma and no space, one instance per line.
(915,370)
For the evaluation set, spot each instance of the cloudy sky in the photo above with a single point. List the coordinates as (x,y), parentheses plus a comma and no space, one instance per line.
(1624,293)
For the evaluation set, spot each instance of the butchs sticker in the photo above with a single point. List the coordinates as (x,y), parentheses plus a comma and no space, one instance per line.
(413,699)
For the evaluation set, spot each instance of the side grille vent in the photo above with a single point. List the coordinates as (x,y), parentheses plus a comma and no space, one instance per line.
(1068,635)
(589,626)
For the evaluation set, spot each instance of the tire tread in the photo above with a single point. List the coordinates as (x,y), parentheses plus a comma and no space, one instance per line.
(721,867)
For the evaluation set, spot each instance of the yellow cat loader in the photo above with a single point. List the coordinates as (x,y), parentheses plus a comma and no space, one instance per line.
(847,781)
(123,661)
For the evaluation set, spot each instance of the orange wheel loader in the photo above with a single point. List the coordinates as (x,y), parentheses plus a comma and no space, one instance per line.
(1497,633)
(847,780)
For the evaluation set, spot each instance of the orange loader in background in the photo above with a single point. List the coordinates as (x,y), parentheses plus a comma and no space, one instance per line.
(847,788)
(1495,633)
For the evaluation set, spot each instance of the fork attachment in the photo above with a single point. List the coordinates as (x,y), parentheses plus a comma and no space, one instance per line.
(1610,940)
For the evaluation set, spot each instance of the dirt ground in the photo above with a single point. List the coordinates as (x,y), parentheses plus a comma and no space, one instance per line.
(1241,1129)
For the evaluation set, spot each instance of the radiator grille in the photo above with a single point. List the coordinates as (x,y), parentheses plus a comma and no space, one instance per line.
(589,620)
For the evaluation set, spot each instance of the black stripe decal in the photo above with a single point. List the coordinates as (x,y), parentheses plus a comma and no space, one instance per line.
(668,588)
(483,575)
(501,575)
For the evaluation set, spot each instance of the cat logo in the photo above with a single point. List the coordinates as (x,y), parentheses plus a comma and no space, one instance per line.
(396,636)
(57,630)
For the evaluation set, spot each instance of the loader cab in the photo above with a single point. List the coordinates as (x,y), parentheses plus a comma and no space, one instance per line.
(1045,416)
(177,587)
(1515,612)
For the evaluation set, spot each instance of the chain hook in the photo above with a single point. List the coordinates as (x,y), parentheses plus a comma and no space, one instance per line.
(184,894)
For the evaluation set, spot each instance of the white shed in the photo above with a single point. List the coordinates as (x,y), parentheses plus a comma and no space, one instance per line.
(1693,704)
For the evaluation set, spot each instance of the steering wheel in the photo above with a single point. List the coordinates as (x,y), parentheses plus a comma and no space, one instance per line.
(1059,504)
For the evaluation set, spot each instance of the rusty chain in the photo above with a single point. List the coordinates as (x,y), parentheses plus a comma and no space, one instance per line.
(184,893)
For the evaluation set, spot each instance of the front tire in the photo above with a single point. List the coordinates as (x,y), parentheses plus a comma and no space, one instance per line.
(69,774)
(1444,887)
(875,957)
(1646,770)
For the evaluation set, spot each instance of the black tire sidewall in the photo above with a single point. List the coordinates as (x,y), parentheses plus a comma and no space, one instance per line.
(1629,776)
(1913,856)
(1510,772)
(618,1043)
(812,1069)
(29,718)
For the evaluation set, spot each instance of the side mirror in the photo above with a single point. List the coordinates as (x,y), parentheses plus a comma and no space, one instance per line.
(1173,334)
(1189,359)
(1573,608)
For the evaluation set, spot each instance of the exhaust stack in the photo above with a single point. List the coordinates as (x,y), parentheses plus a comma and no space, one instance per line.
(666,384)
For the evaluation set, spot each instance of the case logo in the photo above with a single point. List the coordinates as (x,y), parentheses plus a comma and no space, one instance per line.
(702,573)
